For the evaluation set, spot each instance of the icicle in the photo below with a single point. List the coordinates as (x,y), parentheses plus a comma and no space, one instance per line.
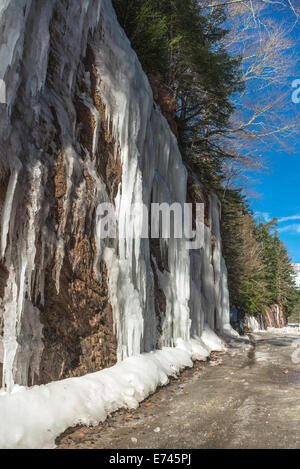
(7,210)
(19,282)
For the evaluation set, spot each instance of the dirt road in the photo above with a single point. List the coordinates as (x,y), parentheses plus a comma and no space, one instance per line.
(248,398)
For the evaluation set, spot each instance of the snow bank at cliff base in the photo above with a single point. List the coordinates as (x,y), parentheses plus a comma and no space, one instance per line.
(34,417)
(212,341)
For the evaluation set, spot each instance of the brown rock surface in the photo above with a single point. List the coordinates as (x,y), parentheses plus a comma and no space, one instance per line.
(165,100)
(78,327)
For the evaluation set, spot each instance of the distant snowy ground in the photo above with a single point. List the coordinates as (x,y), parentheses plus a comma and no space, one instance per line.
(34,417)
(280,331)
(284,330)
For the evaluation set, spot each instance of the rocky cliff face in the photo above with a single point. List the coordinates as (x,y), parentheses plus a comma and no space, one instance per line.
(273,317)
(81,128)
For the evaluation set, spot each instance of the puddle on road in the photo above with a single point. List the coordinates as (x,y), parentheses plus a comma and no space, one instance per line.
(251,353)
(294,379)
(251,356)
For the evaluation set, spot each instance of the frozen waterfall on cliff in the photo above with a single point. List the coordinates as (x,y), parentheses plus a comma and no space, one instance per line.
(79,128)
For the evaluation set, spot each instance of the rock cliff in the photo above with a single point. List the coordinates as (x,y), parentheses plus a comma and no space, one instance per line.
(80,128)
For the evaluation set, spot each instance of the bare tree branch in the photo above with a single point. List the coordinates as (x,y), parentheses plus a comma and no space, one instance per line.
(283,3)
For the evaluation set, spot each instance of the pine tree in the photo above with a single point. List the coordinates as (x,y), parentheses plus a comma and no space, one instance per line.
(246,276)
(178,40)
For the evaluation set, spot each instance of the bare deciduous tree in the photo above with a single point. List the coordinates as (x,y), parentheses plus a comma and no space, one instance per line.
(265,115)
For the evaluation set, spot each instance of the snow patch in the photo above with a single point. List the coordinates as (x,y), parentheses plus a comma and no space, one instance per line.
(212,341)
(284,330)
(196,348)
(34,417)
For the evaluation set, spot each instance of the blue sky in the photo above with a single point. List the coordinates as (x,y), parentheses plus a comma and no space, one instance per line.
(278,188)
(279,196)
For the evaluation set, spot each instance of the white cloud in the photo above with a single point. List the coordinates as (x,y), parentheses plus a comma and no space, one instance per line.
(292,217)
(266,216)
(290,228)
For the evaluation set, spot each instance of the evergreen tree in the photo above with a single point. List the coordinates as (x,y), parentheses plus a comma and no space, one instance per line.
(246,275)
(177,39)
(279,272)
(260,272)
(146,27)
